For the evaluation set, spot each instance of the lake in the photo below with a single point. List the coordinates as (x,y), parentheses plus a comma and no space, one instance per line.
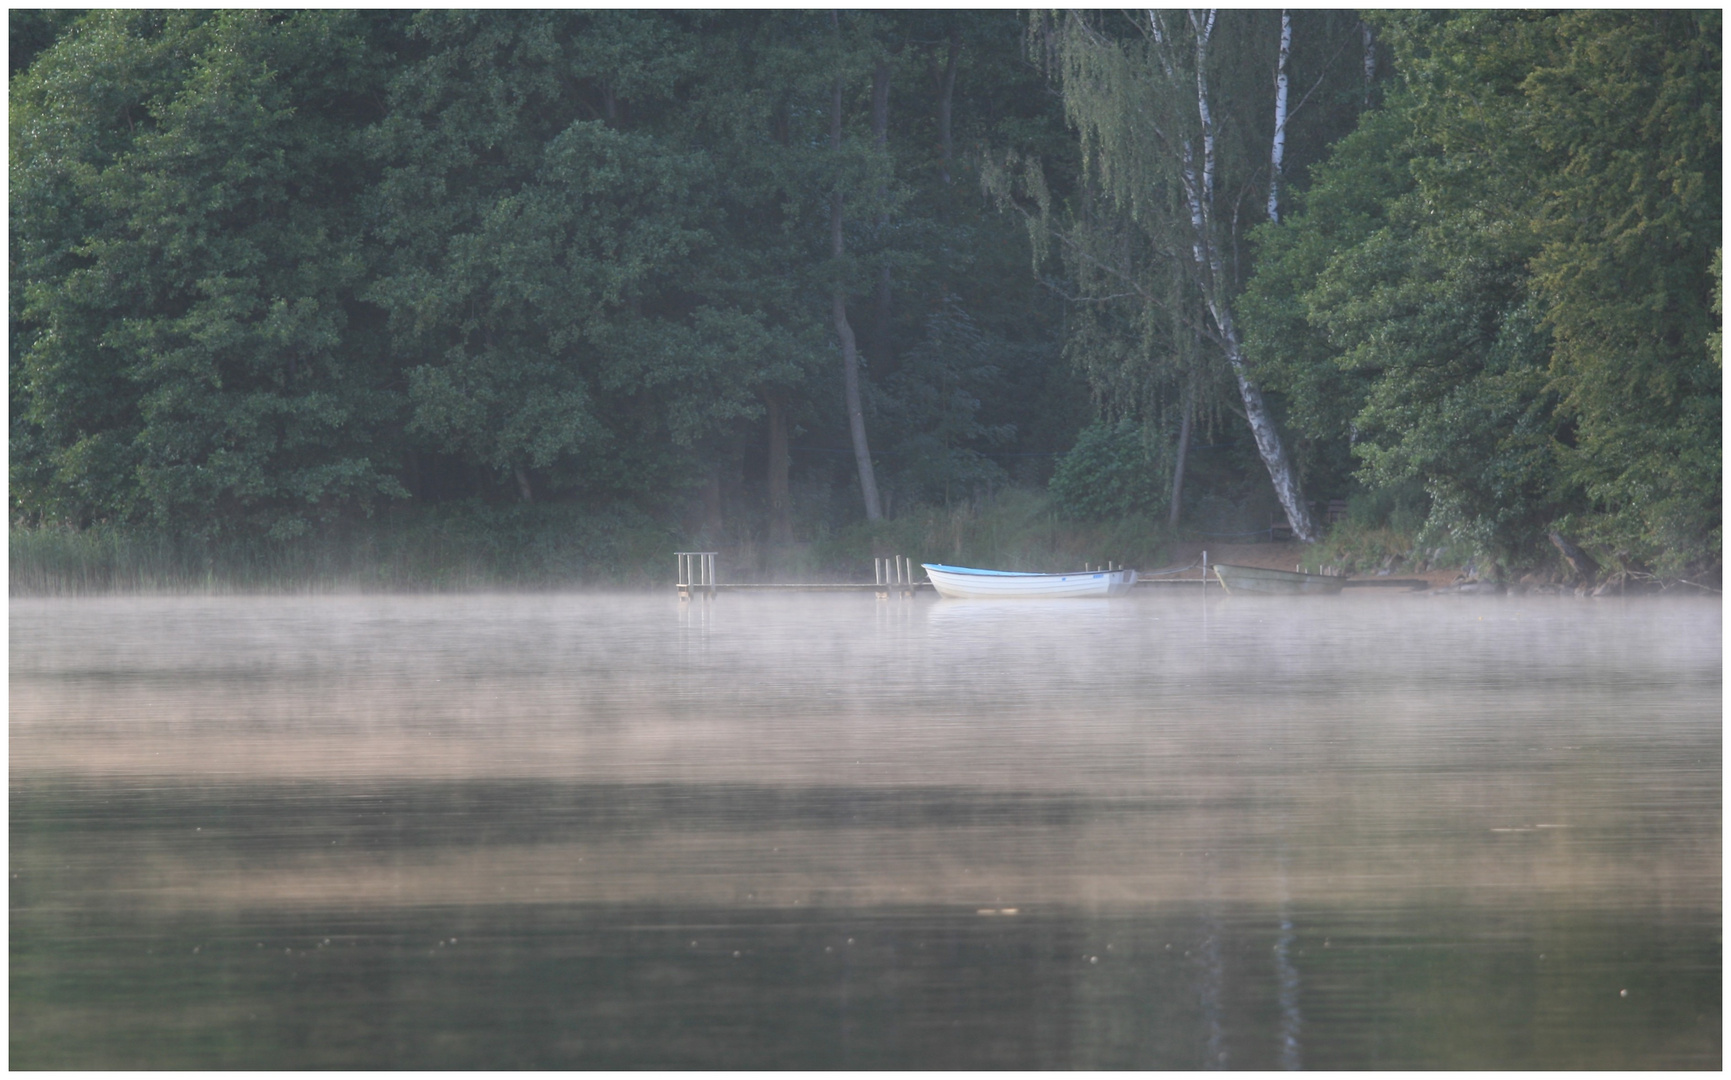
(610,830)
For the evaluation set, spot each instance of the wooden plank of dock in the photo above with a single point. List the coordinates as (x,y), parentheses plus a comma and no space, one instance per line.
(816,586)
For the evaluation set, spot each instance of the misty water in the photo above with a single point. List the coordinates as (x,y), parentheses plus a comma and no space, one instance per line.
(829,831)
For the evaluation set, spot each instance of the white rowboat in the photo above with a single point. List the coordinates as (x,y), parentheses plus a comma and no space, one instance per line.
(965,583)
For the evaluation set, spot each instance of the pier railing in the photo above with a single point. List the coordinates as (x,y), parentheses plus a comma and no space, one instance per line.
(696,571)
(696,577)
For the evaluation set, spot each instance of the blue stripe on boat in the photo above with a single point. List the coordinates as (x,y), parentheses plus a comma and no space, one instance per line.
(993,573)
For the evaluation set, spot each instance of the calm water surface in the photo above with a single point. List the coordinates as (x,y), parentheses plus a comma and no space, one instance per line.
(834,832)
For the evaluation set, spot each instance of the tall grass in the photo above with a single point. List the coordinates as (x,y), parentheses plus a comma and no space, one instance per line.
(1358,548)
(462,548)
(475,548)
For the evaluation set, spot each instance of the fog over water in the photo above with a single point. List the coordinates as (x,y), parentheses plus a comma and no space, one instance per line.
(827,831)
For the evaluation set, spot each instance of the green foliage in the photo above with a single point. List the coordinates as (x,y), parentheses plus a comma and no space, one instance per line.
(271,271)
(1111,473)
(30,32)
(276,272)
(931,410)
(1628,112)
(548,310)
(182,216)
(1176,126)
(1472,301)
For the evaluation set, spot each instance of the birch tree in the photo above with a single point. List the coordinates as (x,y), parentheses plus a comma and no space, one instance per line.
(1167,128)
(1277,157)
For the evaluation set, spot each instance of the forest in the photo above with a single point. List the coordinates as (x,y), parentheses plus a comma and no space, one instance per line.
(563,291)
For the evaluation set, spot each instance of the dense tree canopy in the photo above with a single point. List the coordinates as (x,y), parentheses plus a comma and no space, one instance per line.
(188,257)
(276,269)
(1499,287)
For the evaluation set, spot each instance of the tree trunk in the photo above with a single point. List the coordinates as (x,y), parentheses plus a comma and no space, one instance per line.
(1183,454)
(946,95)
(1278,154)
(862,454)
(780,506)
(1586,568)
(524,491)
(1369,62)
(1216,289)
(881,135)
(1268,444)
(838,311)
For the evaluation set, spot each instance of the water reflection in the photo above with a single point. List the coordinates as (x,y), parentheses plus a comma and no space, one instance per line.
(829,831)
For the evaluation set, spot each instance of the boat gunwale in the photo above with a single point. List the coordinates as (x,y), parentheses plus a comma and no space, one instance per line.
(943,568)
(1295,581)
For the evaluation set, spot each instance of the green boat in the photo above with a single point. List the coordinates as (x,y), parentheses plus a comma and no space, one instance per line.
(1256,579)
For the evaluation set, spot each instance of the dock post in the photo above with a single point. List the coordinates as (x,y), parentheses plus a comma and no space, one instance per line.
(696,571)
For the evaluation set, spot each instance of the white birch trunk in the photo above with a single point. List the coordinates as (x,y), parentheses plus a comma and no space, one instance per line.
(1204,31)
(1369,61)
(1278,154)
(1215,285)
(1268,444)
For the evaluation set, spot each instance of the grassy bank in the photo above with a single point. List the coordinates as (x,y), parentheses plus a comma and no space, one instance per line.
(475,548)
(455,548)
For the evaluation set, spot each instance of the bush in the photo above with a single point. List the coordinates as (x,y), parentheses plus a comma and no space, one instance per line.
(1109,474)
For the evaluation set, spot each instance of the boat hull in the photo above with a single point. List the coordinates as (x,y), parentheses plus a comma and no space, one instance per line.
(1257,579)
(965,583)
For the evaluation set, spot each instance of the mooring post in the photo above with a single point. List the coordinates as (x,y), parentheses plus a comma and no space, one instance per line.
(696,571)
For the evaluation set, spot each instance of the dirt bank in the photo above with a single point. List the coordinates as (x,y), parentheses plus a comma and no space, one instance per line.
(1285,555)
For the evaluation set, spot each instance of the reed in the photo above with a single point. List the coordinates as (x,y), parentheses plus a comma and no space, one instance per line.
(458,548)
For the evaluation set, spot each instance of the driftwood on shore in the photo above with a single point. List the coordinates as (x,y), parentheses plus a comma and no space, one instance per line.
(1584,565)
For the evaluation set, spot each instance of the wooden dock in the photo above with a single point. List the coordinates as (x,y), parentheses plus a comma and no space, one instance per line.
(895,576)
(817,586)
